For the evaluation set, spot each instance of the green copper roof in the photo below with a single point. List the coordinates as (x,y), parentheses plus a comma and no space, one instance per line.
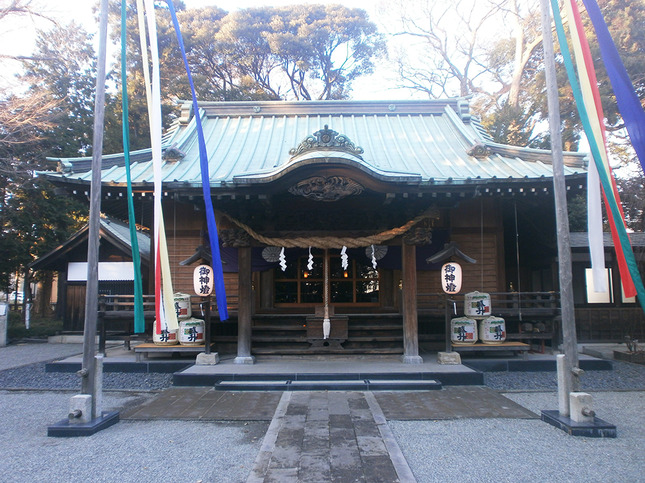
(411,142)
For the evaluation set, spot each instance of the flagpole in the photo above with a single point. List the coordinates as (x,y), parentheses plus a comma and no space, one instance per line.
(91,291)
(569,340)
(85,416)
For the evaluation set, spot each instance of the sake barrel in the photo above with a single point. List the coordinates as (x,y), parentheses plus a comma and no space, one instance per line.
(492,330)
(182,305)
(191,331)
(477,305)
(166,337)
(463,331)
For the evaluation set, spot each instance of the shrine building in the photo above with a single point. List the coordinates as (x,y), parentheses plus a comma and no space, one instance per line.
(353,206)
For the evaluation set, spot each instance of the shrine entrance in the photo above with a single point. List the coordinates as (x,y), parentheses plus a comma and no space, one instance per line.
(325,301)
(303,282)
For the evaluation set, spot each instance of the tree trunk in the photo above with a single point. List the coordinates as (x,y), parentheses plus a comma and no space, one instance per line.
(26,296)
(43,306)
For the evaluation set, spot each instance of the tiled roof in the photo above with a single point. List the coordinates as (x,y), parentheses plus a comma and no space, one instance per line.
(115,231)
(580,239)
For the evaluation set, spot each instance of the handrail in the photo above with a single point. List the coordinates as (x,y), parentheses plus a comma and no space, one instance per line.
(502,303)
(109,304)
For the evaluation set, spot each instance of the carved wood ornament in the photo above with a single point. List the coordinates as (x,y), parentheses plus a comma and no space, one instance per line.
(419,234)
(326,188)
(327,138)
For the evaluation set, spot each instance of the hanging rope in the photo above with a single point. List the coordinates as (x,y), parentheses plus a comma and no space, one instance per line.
(517,255)
(331,241)
(481,241)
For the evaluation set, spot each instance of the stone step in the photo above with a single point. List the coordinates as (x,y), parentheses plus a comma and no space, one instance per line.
(330,385)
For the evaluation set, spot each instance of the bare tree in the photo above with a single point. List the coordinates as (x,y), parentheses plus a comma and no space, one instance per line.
(12,9)
(450,44)
(24,119)
(483,48)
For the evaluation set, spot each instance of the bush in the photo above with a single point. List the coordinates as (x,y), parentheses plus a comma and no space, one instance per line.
(39,327)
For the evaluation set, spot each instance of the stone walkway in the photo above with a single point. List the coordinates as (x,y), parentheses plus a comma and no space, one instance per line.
(327,436)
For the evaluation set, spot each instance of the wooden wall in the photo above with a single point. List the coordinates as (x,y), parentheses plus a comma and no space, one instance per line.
(486,246)
(488,269)
(609,324)
(184,226)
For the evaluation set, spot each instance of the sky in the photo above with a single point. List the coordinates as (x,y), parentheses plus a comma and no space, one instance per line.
(18,38)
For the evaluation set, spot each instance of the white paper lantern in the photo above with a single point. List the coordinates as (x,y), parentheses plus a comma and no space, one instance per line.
(203,280)
(451,277)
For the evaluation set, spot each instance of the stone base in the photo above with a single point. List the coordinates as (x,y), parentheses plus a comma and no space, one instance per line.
(579,404)
(449,358)
(82,403)
(244,360)
(204,359)
(594,429)
(633,357)
(411,359)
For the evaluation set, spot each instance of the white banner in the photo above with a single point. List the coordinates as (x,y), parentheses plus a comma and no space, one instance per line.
(594,222)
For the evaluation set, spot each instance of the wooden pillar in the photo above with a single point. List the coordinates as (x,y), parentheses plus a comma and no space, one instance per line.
(245,305)
(410,320)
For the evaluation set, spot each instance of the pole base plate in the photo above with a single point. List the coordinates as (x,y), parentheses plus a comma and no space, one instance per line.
(592,429)
(65,429)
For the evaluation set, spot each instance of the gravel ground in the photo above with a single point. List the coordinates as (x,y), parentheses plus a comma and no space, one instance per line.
(624,376)
(142,451)
(34,376)
(21,354)
(511,450)
(477,450)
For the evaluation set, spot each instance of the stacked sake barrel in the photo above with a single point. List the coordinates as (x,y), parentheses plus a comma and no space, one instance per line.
(191,330)
(169,336)
(166,336)
(477,311)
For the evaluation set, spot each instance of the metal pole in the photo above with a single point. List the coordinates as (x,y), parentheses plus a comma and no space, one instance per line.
(447,322)
(326,325)
(92,288)
(326,284)
(569,340)
(207,325)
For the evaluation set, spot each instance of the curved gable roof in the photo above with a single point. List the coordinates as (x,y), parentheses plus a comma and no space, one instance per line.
(431,142)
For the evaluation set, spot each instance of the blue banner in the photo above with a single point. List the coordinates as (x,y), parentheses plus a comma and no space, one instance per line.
(220,290)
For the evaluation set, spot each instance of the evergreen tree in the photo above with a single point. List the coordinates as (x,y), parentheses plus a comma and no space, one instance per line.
(65,70)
